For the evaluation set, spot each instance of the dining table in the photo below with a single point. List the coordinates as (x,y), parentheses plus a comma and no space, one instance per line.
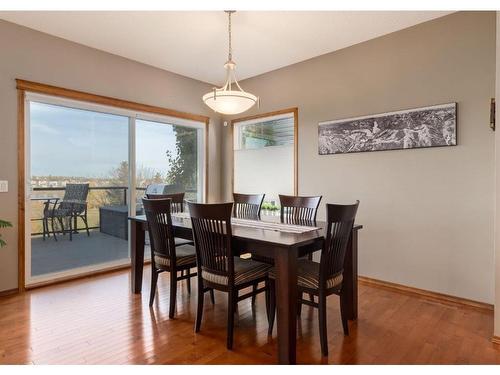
(283,244)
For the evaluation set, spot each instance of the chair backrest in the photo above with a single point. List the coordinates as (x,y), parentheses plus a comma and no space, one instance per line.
(299,209)
(340,220)
(247,206)
(211,225)
(75,197)
(160,227)
(177,200)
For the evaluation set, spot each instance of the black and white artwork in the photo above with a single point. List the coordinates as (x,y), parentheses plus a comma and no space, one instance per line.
(432,126)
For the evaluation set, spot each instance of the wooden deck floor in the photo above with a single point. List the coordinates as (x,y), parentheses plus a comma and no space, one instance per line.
(55,256)
(98,321)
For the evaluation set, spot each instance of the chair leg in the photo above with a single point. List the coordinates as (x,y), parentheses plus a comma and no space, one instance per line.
(199,309)
(173,294)
(212,297)
(272,305)
(322,324)
(343,313)
(44,225)
(230,319)
(188,272)
(299,304)
(268,312)
(84,218)
(70,229)
(154,281)
(310,257)
(61,221)
(254,288)
(53,228)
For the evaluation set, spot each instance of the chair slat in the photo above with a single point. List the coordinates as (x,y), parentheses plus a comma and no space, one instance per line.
(299,210)
(247,206)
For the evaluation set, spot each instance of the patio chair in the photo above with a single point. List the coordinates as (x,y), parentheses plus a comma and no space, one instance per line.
(69,209)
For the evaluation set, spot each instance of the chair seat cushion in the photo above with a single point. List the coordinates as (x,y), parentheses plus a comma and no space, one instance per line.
(185,255)
(182,241)
(245,270)
(308,275)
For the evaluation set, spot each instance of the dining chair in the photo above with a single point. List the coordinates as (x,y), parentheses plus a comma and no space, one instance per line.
(297,209)
(177,200)
(217,267)
(247,206)
(177,206)
(324,278)
(166,256)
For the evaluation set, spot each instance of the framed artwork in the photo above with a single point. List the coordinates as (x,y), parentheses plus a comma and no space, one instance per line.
(433,126)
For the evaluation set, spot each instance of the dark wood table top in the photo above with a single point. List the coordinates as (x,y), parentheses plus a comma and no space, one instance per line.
(267,236)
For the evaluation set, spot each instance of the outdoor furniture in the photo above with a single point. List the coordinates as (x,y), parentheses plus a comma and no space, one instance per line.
(47,202)
(69,209)
(113,220)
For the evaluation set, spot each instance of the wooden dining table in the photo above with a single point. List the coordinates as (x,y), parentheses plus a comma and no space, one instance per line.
(284,248)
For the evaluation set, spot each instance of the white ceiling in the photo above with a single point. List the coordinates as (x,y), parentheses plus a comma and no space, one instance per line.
(194,44)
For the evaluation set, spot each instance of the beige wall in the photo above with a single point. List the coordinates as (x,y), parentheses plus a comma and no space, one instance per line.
(428,213)
(497,185)
(35,56)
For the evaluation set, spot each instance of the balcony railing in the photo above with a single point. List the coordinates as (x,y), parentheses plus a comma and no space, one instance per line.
(95,200)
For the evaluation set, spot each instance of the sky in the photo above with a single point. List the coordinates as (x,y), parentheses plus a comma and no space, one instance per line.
(73,142)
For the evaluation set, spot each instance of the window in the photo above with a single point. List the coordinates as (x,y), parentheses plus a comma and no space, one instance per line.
(264,155)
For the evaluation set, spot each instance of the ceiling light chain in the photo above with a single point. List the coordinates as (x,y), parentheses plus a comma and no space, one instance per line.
(230,49)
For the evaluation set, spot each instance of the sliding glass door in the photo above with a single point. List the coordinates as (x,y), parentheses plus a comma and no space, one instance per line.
(79,163)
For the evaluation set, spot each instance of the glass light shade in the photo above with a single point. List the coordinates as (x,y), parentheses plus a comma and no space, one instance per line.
(229,102)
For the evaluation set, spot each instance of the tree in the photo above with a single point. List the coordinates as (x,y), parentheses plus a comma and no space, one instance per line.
(119,177)
(183,164)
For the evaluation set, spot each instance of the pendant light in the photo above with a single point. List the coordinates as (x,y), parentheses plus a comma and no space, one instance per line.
(230,99)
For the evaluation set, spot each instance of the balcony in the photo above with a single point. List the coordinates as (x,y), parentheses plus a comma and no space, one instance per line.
(107,244)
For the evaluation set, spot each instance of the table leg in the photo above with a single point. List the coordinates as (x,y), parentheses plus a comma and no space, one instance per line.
(351,276)
(286,297)
(137,255)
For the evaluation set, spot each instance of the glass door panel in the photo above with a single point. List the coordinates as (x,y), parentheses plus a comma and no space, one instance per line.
(168,154)
(79,175)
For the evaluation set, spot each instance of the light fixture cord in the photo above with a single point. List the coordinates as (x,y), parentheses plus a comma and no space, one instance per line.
(230,54)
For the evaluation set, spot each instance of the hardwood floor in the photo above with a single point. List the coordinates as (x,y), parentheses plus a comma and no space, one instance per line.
(98,321)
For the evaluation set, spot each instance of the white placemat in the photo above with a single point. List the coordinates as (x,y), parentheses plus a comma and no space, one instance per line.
(265,225)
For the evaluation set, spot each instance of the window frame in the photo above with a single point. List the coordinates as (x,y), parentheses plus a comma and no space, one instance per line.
(270,116)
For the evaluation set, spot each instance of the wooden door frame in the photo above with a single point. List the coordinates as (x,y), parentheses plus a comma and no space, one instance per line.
(24,87)
(292,110)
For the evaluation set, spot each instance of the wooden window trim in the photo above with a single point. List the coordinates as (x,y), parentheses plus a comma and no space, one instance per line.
(295,112)
(24,86)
